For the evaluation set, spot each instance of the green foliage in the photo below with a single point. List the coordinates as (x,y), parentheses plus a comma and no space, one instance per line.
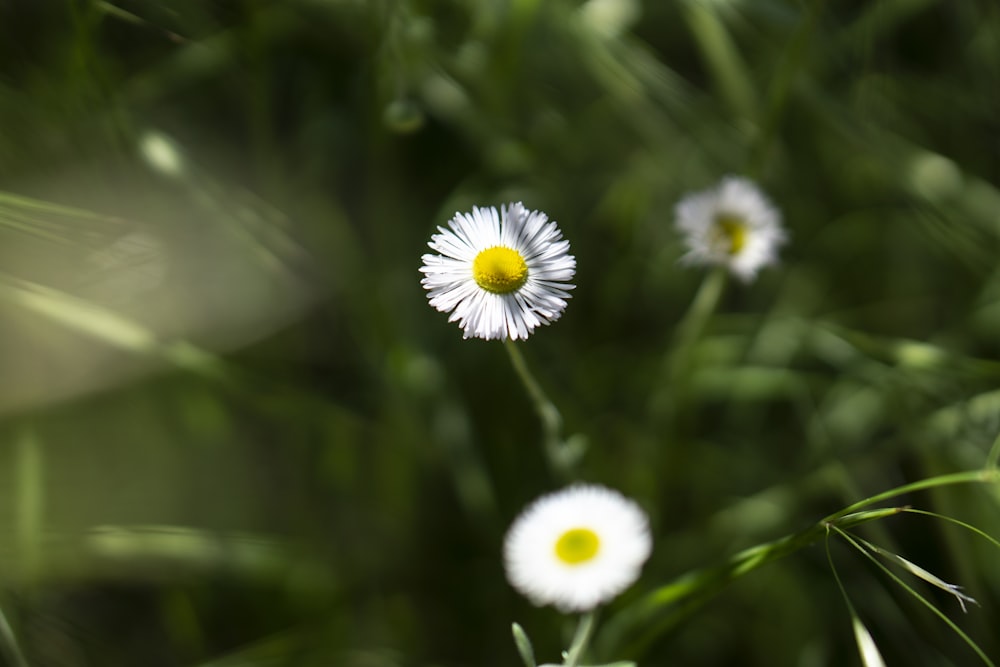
(232,432)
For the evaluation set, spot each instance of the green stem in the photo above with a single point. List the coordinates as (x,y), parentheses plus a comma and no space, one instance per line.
(969,477)
(580,639)
(547,412)
(868,550)
(667,606)
(688,331)
(701,307)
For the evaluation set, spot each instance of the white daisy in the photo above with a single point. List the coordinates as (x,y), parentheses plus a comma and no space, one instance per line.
(577,548)
(500,275)
(733,225)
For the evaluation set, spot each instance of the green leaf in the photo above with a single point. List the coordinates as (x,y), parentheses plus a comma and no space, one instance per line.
(523,645)
(963,524)
(920,572)
(857,544)
(870,656)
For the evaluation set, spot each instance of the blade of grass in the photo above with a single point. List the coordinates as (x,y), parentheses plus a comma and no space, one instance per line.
(921,573)
(722,57)
(955,521)
(924,601)
(696,587)
(523,644)
(969,477)
(868,650)
(106,325)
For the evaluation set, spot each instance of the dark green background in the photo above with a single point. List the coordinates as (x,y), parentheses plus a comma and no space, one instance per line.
(275,453)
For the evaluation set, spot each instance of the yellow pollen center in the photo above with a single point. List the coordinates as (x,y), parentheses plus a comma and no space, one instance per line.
(577,545)
(730,233)
(500,270)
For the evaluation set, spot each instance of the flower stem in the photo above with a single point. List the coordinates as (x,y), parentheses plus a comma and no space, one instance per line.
(701,308)
(547,412)
(580,639)
(690,328)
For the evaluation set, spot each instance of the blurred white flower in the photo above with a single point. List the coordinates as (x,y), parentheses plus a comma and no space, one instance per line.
(733,225)
(577,548)
(499,275)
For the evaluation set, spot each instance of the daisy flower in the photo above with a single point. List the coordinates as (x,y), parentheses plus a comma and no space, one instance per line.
(733,225)
(500,275)
(577,548)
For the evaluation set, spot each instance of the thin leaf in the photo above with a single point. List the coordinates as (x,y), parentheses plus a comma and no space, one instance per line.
(866,645)
(969,477)
(867,649)
(967,526)
(523,644)
(937,612)
(916,570)
(106,325)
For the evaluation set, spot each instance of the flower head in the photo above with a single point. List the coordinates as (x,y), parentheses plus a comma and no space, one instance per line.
(733,225)
(500,275)
(577,547)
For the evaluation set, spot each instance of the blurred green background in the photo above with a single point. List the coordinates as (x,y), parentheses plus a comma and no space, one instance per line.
(233,433)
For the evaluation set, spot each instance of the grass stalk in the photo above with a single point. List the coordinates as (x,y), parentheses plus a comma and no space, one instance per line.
(678,357)
(637,627)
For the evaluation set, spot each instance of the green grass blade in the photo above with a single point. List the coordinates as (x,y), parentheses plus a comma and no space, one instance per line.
(924,601)
(955,521)
(523,644)
(970,477)
(691,590)
(870,655)
(101,323)
(867,649)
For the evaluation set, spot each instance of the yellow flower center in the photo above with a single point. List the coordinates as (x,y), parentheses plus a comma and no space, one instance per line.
(577,545)
(500,270)
(730,232)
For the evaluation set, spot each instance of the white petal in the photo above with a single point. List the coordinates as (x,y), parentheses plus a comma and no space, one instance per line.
(695,218)
(451,287)
(534,569)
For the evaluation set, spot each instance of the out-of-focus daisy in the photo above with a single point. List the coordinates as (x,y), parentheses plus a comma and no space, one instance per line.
(577,548)
(500,275)
(733,225)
